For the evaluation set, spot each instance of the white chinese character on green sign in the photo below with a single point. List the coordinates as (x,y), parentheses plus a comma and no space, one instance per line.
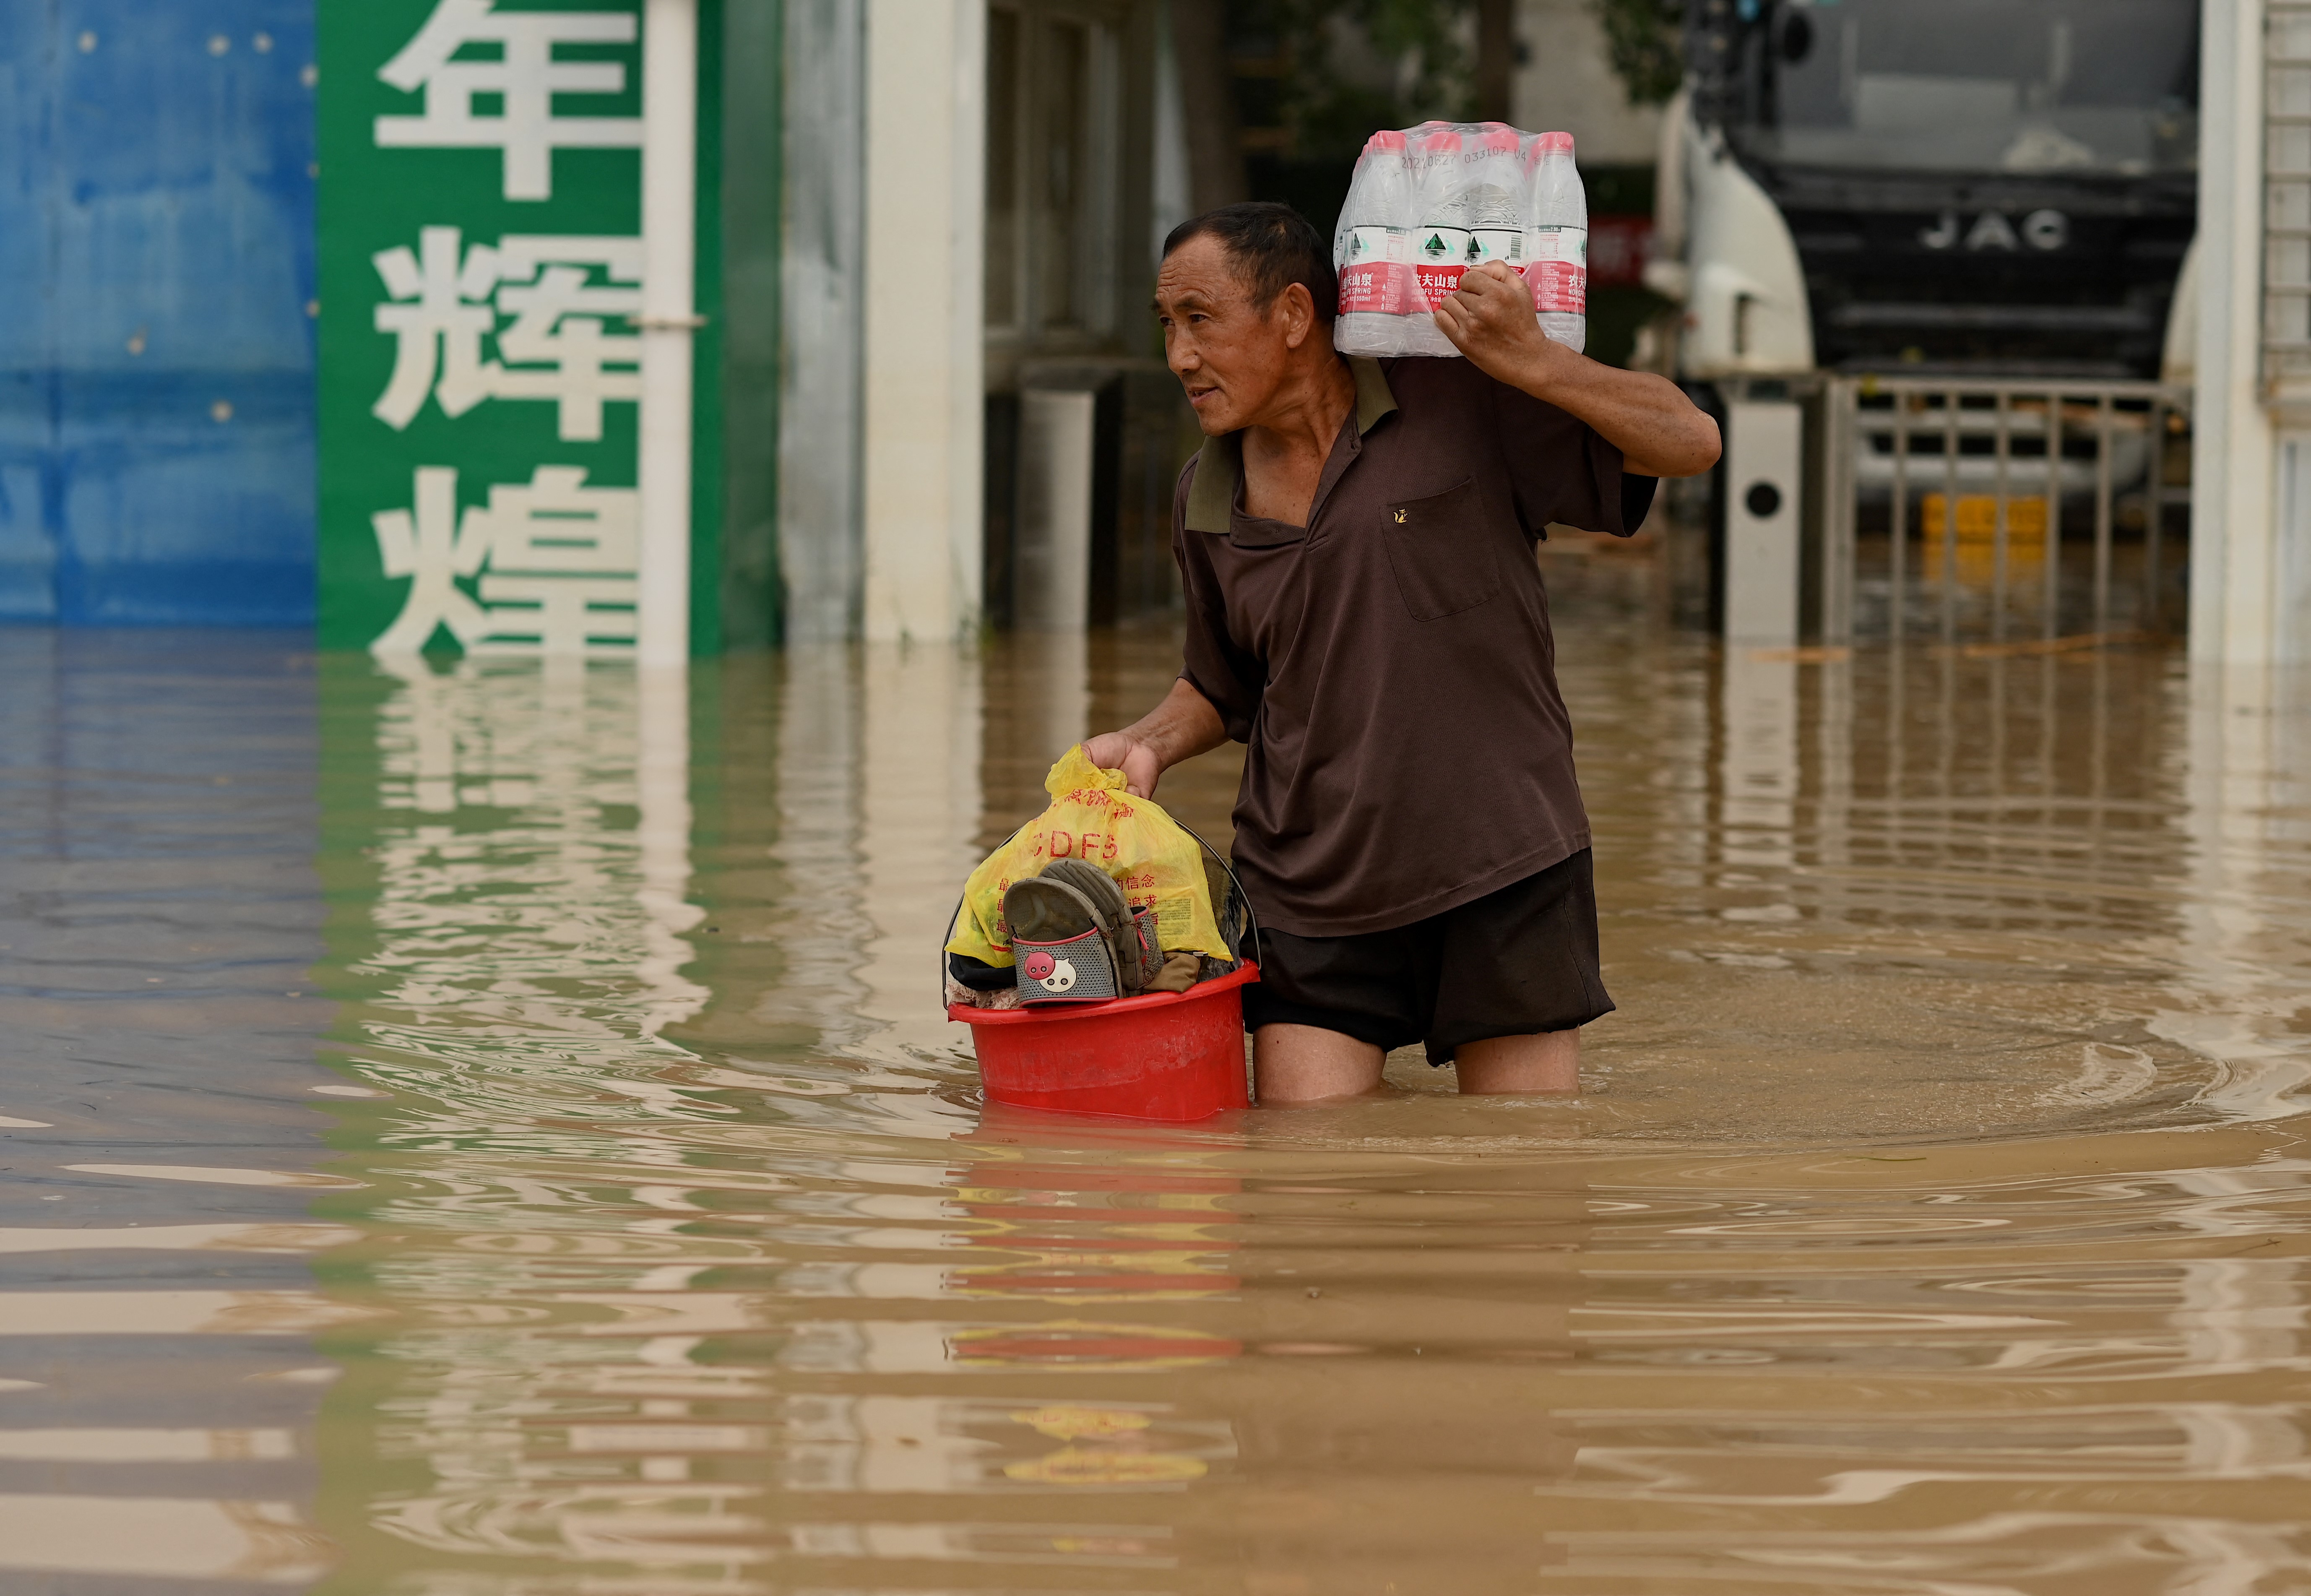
(525,80)
(437,328)
(554,559)
(556,349)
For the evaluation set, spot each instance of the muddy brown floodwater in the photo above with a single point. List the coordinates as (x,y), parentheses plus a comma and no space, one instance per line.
(485,1131)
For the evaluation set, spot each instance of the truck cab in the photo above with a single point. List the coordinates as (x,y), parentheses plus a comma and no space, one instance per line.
(1966,186)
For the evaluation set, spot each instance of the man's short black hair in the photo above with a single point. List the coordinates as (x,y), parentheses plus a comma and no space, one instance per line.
(1272,246)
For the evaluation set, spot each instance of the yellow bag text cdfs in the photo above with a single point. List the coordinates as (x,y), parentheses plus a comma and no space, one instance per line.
(1092,817)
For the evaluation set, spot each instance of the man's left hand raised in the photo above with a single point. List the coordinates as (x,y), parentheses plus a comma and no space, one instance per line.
(1490,320)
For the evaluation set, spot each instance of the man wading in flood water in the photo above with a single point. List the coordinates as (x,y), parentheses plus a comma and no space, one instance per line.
(1356,539)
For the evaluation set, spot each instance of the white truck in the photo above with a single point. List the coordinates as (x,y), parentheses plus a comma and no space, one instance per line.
(1981,190)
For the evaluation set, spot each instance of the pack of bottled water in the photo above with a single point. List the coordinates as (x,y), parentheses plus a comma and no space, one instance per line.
(1428,203)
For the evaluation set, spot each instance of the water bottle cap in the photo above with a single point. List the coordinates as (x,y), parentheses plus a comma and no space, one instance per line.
(1501,138)
(1445,142)
(1551,144)
(1386,139)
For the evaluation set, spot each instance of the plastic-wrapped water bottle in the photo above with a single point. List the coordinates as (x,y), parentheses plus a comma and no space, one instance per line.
(1428,203)
(1440,242)
(1473,206)
(1492,169)
(1372,250)
(1557,244)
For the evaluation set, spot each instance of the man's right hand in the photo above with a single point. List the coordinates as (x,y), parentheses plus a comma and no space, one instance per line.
(1123,751)
(1181,727)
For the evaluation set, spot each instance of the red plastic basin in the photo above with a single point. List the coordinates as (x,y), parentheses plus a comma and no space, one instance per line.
(1168,1055)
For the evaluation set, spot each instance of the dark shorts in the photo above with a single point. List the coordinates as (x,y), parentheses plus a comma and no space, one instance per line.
(1518,960)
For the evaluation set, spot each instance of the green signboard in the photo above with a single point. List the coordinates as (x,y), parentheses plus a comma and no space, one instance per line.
(481,272)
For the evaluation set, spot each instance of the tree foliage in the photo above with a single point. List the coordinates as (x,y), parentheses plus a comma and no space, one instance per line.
(1354,66)
(1642,37)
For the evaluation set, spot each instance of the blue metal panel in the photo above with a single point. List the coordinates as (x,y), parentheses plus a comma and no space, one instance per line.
(27,558)
(156,346)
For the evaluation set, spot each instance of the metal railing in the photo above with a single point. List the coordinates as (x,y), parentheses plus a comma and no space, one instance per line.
(2020,512)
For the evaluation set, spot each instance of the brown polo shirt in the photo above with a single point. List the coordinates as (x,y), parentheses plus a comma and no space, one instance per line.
(1389,664)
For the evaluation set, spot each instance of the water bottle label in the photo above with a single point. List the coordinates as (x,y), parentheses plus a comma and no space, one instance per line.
(1566,244)
(1439,256)
(1558,273)
(1377,243)
(1505,245)
(1441,246)
(1432,283)
(1379,286)
(1558,286)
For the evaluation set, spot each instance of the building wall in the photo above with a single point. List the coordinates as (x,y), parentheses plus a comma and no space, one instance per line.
(158,359)
(1085,172)
(158,239)
(1566,82)
(156,344)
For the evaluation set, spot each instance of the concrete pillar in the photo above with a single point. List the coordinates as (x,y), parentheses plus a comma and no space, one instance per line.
(1052,551)
(1763,564)
(821,312)
(925,231)
(2234,516)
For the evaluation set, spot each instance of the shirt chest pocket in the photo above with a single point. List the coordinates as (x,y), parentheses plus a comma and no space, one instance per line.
(1443,553)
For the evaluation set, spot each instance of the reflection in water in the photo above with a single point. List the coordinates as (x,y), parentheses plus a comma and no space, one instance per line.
(159,913)
(1931,1222)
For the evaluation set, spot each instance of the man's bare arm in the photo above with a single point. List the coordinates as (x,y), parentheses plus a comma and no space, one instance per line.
(1184,725)
(1657,429)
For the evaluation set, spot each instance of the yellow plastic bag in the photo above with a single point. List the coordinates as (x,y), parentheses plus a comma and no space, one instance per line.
(1092,817)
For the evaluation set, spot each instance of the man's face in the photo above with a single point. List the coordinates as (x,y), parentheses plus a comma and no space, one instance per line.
(1230,356)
